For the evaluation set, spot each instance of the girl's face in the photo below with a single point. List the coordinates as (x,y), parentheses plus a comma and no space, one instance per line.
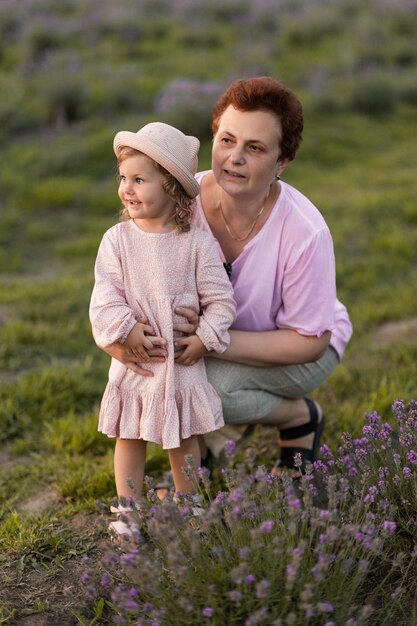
(246,148)
(142,194)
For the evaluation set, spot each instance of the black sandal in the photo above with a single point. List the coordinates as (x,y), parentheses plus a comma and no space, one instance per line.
(209,461)
(307,455)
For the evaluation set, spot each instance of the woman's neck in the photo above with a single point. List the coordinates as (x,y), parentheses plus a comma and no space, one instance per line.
(241,215)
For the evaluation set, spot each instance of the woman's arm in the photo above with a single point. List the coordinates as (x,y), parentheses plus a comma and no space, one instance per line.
(262,349)
(274,347)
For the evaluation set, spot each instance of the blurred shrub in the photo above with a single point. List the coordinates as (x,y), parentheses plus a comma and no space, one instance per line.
(373,95)
(187,104)
(53,193)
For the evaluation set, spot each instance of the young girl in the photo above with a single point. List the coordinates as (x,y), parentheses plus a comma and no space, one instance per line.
(147,265)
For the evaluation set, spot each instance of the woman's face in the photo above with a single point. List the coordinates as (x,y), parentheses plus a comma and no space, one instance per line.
(245,153)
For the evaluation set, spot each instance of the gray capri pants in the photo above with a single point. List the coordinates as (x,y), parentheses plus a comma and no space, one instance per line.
(249,393)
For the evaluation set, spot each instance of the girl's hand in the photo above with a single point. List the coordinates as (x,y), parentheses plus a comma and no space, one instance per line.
(139,342)
(122,353)
(192,350)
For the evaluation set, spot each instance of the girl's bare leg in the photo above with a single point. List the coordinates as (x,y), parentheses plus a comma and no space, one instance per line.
(129,467)
(191,447)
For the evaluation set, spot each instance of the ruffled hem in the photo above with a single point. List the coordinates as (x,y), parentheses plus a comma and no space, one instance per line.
(195,410)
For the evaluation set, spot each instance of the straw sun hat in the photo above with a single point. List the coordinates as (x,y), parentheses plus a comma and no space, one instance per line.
(168,146)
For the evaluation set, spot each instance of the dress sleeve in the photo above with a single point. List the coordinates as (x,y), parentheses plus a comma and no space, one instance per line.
(309,288)
(216,298)
(110,315)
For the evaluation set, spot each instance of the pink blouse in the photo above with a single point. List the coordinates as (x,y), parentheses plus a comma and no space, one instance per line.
(285,276)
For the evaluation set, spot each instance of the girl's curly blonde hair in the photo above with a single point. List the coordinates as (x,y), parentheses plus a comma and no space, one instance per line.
(184,205)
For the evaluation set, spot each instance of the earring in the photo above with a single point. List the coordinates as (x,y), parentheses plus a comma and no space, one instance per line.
(277,177)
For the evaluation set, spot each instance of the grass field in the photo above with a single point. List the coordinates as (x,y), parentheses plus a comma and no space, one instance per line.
(72,75)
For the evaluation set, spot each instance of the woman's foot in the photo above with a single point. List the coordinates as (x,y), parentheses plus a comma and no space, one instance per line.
(303,439)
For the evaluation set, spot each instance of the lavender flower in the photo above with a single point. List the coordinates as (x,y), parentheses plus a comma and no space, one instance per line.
(267,526)
(412,457)
(235,595)
(230,447)
(207,612)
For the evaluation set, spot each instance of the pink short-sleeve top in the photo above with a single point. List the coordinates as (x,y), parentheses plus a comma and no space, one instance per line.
(285,276)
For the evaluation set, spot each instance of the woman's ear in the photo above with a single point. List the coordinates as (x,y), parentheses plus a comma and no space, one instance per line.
(281,165)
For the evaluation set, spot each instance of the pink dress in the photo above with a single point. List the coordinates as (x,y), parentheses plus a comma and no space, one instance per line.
(150,274)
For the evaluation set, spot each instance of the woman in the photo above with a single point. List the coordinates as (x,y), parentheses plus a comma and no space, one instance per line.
(290,331)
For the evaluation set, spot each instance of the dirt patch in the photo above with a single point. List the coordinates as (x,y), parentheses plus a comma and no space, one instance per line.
(8,460)
(50,595)
(46,500)
(395,332)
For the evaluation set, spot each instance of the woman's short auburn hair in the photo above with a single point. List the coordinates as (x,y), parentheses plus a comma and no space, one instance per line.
(263,93)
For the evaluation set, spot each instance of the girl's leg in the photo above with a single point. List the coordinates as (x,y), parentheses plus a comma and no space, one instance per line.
(129,467)
(191,447)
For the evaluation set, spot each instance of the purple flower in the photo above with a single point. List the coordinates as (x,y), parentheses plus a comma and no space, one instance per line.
(131,605)
(236,495)
(320,467)
(230,447)
(258,617)
(385,432)
(412,457)
(406,440)
(262,589)
(105,581)
(326,453)
(407,473)
(249,579)
(398,409)
(390,526)
(267,526)
(244,552)
(220,498)
(294,503)
(91,591)
(235,595)
(207,612)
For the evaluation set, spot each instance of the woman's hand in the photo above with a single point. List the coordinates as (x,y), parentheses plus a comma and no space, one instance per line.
(192,318)
(187,328)
(123,354)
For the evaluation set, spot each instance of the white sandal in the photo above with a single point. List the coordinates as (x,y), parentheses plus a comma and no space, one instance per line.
(119,528)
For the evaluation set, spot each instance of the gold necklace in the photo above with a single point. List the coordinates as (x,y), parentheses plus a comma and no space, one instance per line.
(229,230)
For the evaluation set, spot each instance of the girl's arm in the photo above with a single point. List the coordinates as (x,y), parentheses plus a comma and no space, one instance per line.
(217,305)
(112,318)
